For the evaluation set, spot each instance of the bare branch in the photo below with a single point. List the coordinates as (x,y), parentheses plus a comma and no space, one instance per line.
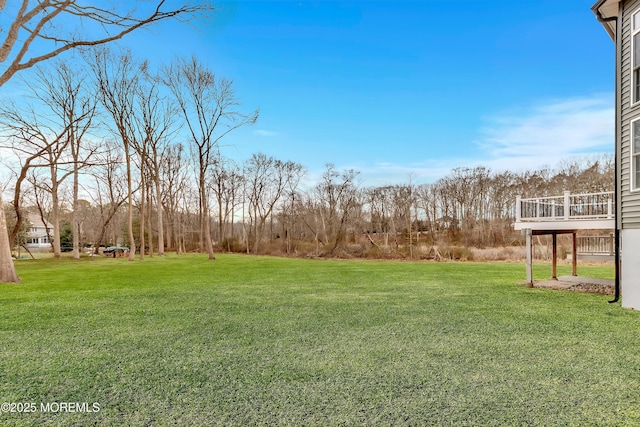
(115,25)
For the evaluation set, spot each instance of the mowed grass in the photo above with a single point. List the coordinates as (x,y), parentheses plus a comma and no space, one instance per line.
(243,340)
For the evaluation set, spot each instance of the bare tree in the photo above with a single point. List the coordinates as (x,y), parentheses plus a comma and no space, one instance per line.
(174,173)
(210,109)
(226,184)
(109,190)
(157,117)
(43,140)
(295,173)
(64,91)
(44,21)
(427,200)
(118,82)
(8,272)
(338,199)
(267,179)
(41,20)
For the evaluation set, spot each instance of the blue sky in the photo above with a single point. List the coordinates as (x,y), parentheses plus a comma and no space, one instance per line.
(400,88)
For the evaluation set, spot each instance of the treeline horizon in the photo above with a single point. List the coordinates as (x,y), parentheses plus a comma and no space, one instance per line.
(263,206)
(120,153)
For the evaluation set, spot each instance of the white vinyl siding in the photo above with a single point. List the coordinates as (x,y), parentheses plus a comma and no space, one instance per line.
(635,60)
(628,181)
(635,155)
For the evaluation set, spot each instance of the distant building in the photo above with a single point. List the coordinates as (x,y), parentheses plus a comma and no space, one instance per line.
(37,236)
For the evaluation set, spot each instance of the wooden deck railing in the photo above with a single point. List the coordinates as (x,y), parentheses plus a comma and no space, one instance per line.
(566,207)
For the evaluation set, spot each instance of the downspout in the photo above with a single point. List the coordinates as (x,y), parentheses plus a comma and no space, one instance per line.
(616,296)
(616,167)
(616,237)
(603,19)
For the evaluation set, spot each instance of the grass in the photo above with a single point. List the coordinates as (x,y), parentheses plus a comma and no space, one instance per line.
(268,341)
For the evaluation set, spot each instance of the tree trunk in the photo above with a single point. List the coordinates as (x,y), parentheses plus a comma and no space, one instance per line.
(55,216)
(7,269)
(75,223)
(149,221)
(160,217)
(143,193)
(132,242)
(206,226)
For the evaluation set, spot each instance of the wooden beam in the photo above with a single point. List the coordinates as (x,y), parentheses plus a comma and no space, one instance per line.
(529,251)
(554,257)
(574,259)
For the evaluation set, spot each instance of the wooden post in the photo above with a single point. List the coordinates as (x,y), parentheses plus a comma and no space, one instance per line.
(554,257)
(529,250)
(574,260)
(611,244)
(567,205)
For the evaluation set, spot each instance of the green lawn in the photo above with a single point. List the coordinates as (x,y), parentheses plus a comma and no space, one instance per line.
(184,341)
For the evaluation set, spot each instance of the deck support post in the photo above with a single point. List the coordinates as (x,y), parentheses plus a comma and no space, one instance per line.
(554,256)
(574,258)
(529,255)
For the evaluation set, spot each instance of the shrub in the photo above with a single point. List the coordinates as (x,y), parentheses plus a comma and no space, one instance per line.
(231,244)
(457,253)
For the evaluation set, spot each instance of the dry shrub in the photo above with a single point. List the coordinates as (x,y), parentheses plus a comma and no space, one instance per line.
(356,250)
(456,253)
(374,252)
(233,245)
(508,253)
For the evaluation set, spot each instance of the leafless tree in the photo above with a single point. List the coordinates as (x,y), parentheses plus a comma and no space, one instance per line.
(427,199)
(267,179)
(174,172)
(49,140)
(338,199)
(156,125)
(295,173)
(65,92)
(109,189)
(38,30)
(117,78)
(210,109)
(41,20)
(226,184)
(8,272)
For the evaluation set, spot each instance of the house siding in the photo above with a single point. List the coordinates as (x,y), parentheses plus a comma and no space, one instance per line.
(629,201)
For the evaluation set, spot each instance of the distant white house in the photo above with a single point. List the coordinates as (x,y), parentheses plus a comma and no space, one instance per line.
(37,236)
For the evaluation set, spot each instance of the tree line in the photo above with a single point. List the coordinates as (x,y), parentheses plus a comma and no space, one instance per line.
(34,32)
(112,130)
(115,151)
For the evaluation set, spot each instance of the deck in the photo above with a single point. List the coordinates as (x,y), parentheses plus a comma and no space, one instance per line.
(563,215)
(591,211)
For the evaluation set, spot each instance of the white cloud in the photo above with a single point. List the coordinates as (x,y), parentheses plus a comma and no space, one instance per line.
(546,133)
(540,135)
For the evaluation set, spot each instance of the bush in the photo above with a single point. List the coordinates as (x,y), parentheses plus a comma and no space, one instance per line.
(231,244)
(508,253)
(457,253)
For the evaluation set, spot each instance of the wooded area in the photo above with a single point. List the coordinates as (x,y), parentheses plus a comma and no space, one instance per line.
(108,163)
(112,151)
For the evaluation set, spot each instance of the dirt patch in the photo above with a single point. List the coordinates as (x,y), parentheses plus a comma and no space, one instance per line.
(593,288)
(578,284)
